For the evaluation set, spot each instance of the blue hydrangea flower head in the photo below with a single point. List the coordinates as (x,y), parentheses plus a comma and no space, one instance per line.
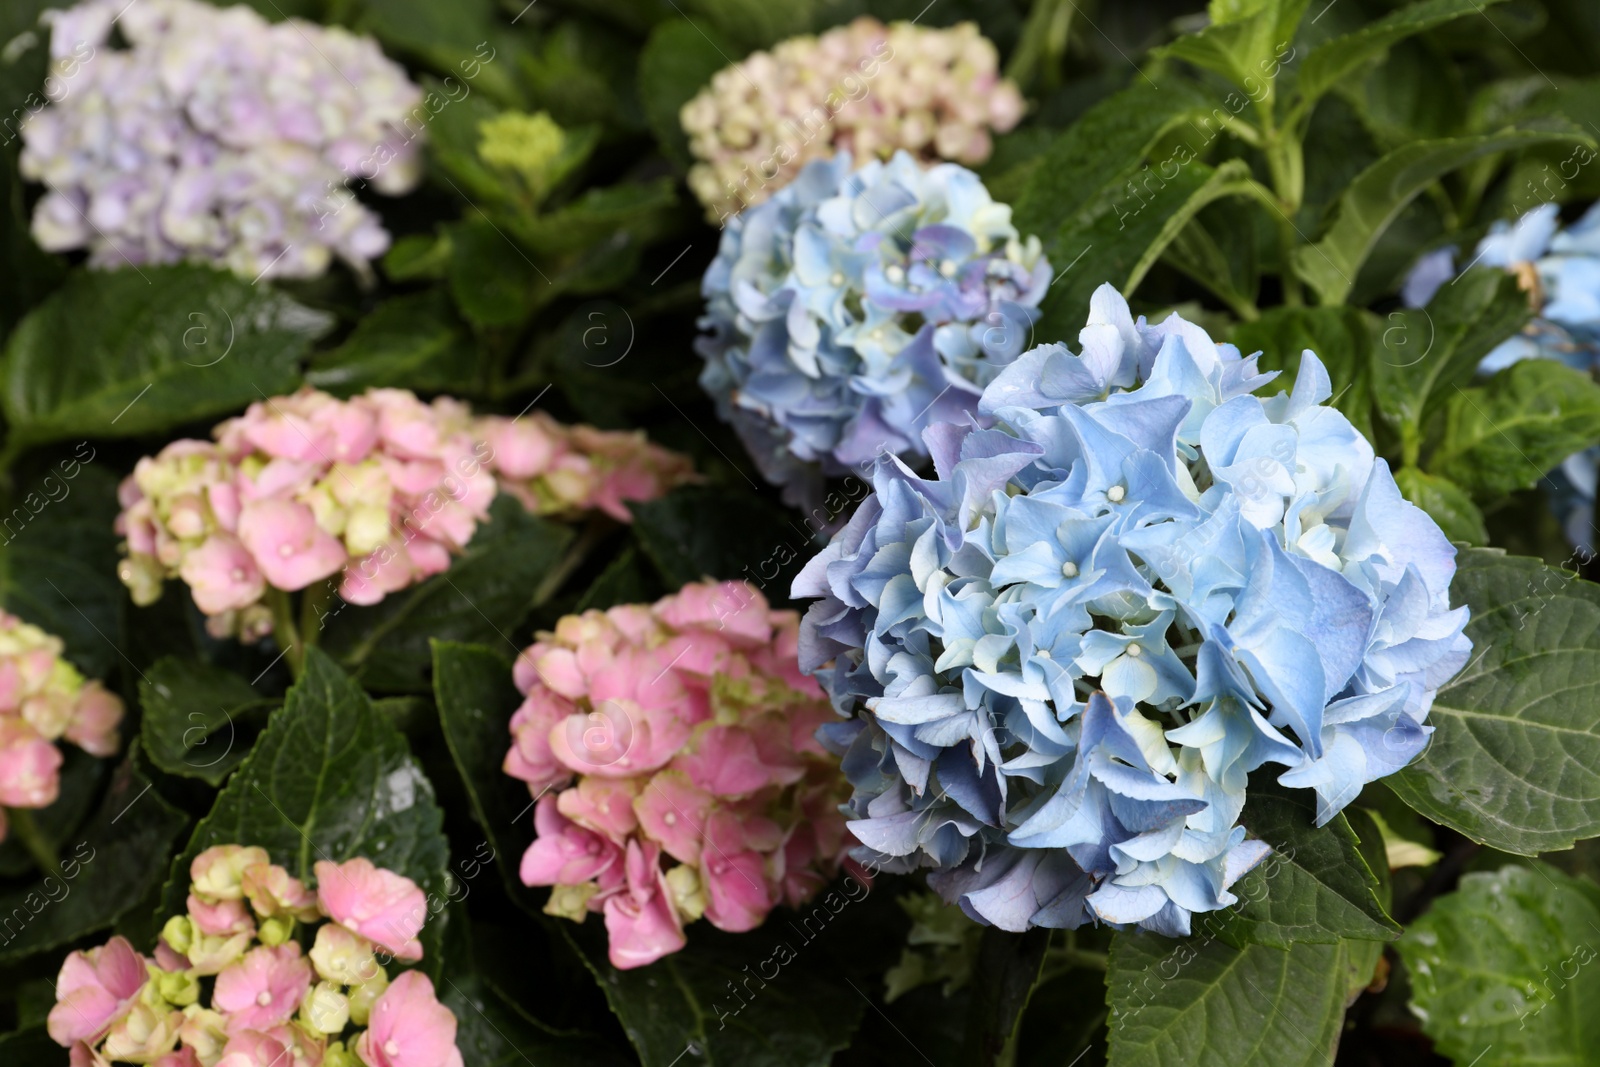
(1130,587)
(856,308)
(1560,270)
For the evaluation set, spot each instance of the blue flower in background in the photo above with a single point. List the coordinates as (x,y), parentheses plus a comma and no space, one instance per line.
(858,307)
(1065,652)
(1560,270)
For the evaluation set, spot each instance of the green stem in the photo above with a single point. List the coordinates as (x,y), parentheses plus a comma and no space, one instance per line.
(312,605)
(284,630)
(596,531)
(27,831)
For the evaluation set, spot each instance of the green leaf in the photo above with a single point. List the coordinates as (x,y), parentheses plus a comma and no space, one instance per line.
(58,563)
(33,1047)
(1498,969)
(494,282)
(106,868)
(481,599)
(622,582)
(1247,46)
(1203,1003)
(757,23)
(1315,887)
(1514,761)
(412,342)
(491,1032)
(1338,336)
(127,352)
(687,999)
(763,546)
(677,62)
(1003,978)
(1088,167)
(476,698)
(199,720)
(1423,356)
(1327,64)
(463,39)
(1507,433)
(1380,192)
(329,779)
(1447,503)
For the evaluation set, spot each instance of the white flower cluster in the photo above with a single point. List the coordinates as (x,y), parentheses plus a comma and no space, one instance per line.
(216,137)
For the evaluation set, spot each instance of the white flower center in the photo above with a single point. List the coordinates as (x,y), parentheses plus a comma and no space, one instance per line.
(237,574)
(391,1049)
(670,818)
(1069,569)
(264,998)
(1044,653)
(836,279)
(286,550)
(895,273)
(1115,494)
(948,268)
(1135,651)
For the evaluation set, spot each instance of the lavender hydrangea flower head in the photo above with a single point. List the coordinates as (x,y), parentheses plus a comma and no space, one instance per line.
(216,137)
(1071,647)
(857,308)
(1560,271)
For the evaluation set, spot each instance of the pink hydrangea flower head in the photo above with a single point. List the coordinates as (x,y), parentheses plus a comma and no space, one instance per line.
(273,891)
(386,908)
(94,990)
(264,988)
(43,699)
(684,730)
(562,470)
(408,1027)
(218,872)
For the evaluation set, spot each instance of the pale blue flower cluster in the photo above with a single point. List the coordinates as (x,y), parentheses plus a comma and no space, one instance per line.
(1561,271)
(1068,648)
(856,308)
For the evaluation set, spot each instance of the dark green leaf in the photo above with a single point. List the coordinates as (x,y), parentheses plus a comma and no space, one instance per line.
(1379,194)
(481,598)
(461,39)
(32,1047)
(492,1033)
(1315,887)
(622,582)
(1507,433)
(1446,502)
(412,342)
(329,779)
(107,868)
(1424,355)
(1088,169)
(686,1002)
(1498,969)
(1327,64)
(58,565)
(1203,1003)
(494,282)
(764,546)
(476,699)
(677,62)
(1003,979)
(199,720)
(127,352)
(1514,761)
(756,23)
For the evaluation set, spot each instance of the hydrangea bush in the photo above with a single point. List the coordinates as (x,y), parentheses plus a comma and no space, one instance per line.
(1075,642)
(262,969)
(866,88)
(1145,692)
(217,137)
(670,751)
(859,307)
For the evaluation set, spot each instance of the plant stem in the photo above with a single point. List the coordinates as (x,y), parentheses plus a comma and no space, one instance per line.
(312,602)
(27,832)
(283,629)
(595,532)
